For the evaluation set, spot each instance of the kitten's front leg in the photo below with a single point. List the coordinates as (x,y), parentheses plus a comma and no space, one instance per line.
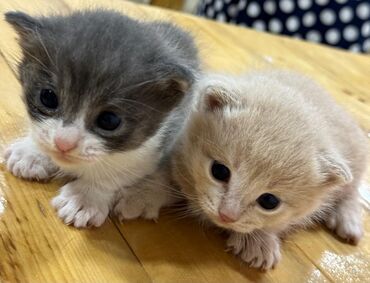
(345,219)
(24,159)
(146,198)
(259,249)
(83,204)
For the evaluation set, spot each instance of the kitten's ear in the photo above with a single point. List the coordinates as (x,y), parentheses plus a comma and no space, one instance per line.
(22,23)
(334,170)
(176,81)
(179,78)
(216,97)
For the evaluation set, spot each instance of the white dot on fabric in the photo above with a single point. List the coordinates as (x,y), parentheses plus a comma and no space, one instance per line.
(367,45)
(327,17)
(350,33)
(292,23)
(275,26)
(332,36)
(313,35)
(219,5)
(355,47)
(322,2)
(304,4)
(309,19)
(365,29)
(363,11)
(221,17)
(210,12)
(259,25)
(232,10)
(253,10)
(287,6)
(341,1)
(269,7)
(242,4)
(346,14)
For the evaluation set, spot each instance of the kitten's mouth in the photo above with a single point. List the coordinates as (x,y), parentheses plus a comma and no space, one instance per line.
(64,158)
(229,226)
(67,159)
(61,157)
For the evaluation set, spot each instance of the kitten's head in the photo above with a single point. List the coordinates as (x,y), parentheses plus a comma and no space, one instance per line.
(97,82)
(253,159)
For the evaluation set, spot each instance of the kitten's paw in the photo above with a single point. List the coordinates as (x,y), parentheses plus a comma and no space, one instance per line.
(25,161)
(259,249)
(346,224)
(80,208)
(131,206)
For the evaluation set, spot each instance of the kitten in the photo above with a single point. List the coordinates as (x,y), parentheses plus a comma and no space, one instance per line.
(261,154)
(106,96)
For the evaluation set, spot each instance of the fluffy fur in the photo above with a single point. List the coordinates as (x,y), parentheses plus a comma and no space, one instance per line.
(278,132)
(96,61)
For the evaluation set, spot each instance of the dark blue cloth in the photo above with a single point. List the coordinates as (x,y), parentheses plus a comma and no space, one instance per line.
(340,23)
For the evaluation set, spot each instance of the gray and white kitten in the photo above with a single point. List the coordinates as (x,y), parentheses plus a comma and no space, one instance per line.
(262,154)
(106,96)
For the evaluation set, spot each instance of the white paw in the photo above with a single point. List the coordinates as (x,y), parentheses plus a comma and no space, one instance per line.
(347,225)
(135,205)
(81,207)
(259,249)
(24,160)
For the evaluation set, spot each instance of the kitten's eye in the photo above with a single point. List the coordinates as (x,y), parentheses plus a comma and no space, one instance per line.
(48,98)
(220,172)
(268,201)
(108,121)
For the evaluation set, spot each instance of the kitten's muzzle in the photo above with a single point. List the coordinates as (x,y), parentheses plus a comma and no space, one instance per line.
(66,139)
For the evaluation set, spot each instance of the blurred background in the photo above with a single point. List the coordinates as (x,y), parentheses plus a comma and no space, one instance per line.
(340,23)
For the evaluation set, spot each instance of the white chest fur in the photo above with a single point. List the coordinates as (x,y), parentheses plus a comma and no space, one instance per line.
(122,169)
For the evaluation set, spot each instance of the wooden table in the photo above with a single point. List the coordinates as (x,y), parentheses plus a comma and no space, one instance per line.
(37,247)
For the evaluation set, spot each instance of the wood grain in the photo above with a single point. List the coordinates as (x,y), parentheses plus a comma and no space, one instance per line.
(36,247)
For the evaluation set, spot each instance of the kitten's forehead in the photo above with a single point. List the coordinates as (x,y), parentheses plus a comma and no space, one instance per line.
(262,148)
(86,51)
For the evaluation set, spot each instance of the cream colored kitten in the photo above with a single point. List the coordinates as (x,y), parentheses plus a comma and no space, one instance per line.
(263,153)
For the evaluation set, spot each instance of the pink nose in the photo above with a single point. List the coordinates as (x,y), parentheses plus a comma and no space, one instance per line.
(64,144)
(227,218)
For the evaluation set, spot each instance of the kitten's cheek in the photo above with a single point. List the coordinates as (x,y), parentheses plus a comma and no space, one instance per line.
(41,136)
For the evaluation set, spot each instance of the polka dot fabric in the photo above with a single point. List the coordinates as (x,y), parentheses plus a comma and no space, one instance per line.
(341,23)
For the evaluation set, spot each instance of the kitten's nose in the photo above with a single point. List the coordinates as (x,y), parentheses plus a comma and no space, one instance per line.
(227,218)
(65,145)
